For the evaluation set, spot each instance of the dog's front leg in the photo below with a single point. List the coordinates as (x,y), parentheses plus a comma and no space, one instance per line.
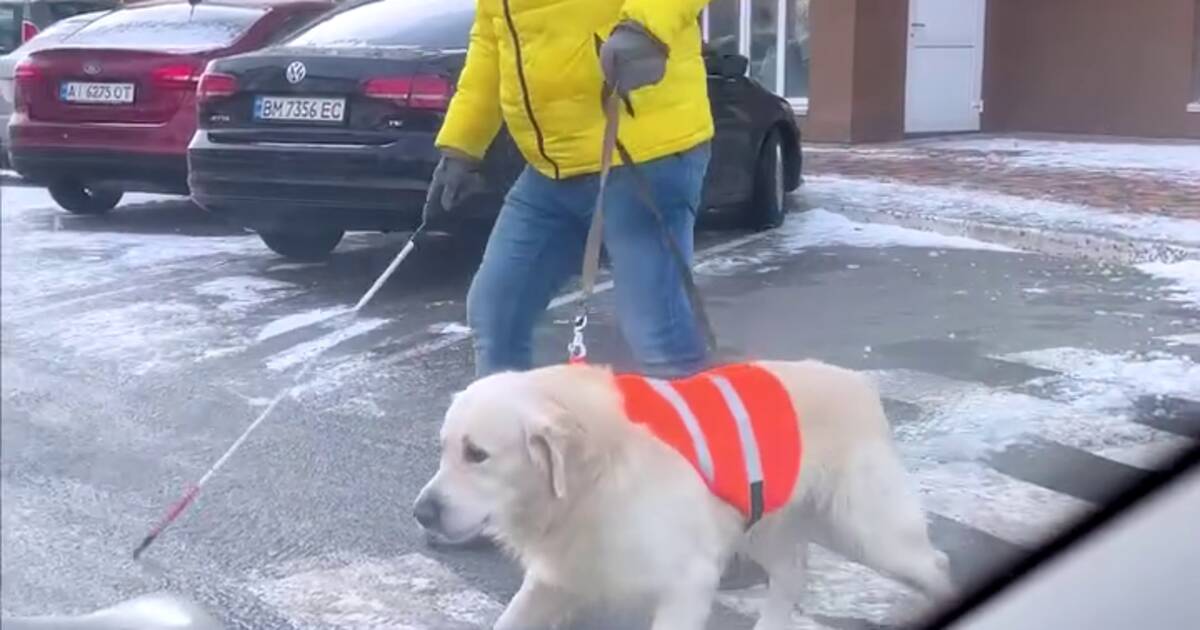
(687,604)
(536,606)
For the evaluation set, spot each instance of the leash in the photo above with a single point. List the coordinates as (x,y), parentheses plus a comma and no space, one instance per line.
(189,495)
(577,349)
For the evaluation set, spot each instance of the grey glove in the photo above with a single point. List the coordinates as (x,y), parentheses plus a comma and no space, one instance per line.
(632,57)
(455,177)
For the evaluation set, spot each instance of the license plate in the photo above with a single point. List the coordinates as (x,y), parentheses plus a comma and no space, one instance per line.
(96,93)
(300,108)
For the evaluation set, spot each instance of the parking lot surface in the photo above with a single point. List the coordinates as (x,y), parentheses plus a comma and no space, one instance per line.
(1024,389)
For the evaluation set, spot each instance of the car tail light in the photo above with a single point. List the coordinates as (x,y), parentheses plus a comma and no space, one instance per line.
(28,31)
(175,77)
(216,85)
(418,91)
(26,77)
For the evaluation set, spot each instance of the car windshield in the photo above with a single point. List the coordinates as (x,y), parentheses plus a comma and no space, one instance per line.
(436,24)
(172,25)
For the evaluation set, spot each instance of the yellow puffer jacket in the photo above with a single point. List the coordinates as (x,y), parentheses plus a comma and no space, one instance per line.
(533,65)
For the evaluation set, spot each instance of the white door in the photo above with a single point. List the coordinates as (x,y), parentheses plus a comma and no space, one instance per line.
(945,65)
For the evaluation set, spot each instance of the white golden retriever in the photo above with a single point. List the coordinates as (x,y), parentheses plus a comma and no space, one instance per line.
(600,511)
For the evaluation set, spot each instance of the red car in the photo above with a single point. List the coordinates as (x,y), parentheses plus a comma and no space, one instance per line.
(111,108)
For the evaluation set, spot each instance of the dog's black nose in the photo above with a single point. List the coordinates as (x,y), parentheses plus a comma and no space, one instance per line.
(428,511)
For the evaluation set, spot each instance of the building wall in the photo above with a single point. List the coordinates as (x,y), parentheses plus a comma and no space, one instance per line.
(857,72)
(1119,67)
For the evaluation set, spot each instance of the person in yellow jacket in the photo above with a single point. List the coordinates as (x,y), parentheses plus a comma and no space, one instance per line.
(539,67)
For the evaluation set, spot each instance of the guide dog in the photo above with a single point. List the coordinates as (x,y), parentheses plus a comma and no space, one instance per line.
(602,508)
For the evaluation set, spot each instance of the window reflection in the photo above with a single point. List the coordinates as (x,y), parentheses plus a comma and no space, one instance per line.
(765,26)
(723,26)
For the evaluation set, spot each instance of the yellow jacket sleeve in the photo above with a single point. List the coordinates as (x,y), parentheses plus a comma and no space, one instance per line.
(474,118)
(665,19)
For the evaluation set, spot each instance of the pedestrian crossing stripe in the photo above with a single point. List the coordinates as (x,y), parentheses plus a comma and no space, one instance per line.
(965,420)
(979,496)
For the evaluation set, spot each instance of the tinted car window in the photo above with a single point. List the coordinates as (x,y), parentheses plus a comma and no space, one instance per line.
(439,24)
(60,10)
(10,28)
(170,26)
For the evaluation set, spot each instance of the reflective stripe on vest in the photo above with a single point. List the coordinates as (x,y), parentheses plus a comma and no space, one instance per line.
(703,455)
(749,444)
(735,425)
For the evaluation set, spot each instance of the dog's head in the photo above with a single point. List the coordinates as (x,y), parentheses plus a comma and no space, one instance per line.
(504,451)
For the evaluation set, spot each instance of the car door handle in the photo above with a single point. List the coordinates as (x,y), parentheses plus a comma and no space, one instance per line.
(917,25)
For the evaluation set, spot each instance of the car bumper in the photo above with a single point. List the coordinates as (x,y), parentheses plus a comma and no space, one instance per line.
(148,172)
(349,187)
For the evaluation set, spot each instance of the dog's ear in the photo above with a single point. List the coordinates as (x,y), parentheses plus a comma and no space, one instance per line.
(546,437)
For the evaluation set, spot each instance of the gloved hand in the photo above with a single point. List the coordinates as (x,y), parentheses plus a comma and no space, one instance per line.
(456,176)
(632,57)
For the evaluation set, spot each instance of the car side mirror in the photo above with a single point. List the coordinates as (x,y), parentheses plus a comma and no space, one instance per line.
(727,65)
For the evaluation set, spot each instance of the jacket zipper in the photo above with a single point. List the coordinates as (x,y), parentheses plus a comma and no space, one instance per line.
(537,130)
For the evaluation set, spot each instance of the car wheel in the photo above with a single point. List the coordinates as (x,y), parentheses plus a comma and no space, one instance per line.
(768,204)
(308,246)
(76,198)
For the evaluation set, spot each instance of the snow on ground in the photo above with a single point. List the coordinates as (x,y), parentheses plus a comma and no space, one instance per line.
(1102,381)
(1165,160)
(975,205)
(300,353)
(240,294)
(1184,277)
(300,320)
(139,337)
(39,262)
(449,328)
(821,228)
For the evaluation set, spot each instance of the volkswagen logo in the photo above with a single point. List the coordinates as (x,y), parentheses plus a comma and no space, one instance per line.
(91,68)
(295,72)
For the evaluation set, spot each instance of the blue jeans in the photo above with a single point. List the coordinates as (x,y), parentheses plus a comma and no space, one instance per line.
(537,245)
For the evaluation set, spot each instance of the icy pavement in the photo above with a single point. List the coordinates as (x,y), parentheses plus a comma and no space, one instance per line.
(1024,389)
(1111,201)
(1169,160)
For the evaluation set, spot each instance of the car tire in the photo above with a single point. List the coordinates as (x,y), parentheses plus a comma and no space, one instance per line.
(76,198)
(768,206)
(307,246)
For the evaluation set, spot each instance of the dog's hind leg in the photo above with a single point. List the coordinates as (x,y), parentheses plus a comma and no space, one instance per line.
(875,518)
(776,546)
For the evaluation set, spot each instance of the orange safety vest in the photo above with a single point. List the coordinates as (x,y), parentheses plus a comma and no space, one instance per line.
(735,424)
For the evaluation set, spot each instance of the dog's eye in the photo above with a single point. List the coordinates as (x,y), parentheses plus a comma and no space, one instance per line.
(473,454)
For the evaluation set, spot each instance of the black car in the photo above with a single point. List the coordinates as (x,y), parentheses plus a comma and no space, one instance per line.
(333,129)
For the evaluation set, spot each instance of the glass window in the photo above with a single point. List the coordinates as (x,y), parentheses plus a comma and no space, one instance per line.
(723,22)
(764,25)
(171,25)
(10,28)
(795,68)
(438,24)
